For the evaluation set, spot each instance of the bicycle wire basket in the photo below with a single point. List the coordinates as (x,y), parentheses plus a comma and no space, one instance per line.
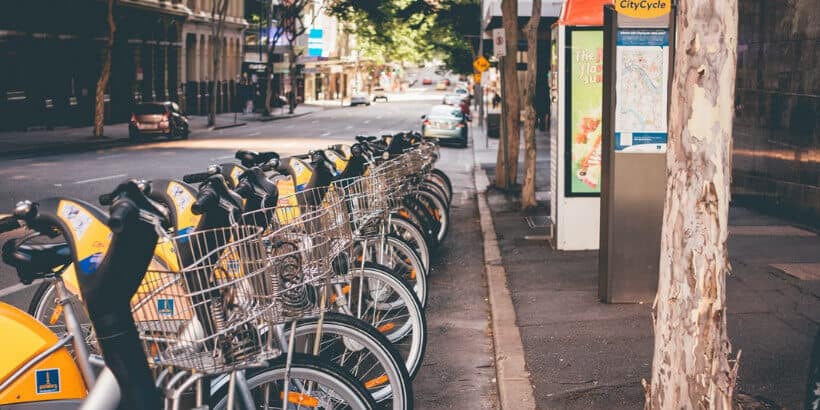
(198,309)
(365,200)
(302,236)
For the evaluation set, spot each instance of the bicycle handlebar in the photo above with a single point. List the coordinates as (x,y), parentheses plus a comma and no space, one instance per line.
(196,178)
(8,224)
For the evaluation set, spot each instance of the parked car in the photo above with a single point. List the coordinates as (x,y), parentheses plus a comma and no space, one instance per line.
(158,119)
(441,85)
(446,123)
(461,90)
(426,81)
(453,99)
(359,99)
(379,94)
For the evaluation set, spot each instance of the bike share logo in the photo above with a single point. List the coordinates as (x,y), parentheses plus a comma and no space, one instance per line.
(165,307)
(47,381)
(643,9)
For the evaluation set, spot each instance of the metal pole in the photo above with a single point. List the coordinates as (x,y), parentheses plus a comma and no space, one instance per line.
(479,90)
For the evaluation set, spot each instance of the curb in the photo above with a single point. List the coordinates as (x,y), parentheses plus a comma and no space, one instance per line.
(232,125)
(514,387)
(287,116)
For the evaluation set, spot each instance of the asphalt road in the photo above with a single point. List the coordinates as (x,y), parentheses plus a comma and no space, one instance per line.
(458,370)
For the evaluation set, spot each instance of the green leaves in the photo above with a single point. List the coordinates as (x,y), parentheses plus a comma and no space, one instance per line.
(414,30)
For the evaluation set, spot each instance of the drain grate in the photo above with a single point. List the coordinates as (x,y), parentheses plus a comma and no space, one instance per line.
(538,222)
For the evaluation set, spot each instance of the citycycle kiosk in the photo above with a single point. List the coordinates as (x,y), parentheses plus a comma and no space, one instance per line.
(575,125)
(638,40)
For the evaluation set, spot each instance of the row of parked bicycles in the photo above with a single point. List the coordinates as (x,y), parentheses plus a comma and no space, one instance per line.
(270,282)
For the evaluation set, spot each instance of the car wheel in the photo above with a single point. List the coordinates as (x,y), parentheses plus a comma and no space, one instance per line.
(134,135)
(185,133)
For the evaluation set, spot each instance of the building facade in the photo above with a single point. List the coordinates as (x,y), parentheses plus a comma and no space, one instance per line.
(197,53)
(776,161)
(52,52)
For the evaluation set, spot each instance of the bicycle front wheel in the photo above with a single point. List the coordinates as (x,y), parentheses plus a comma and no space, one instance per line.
(313,383)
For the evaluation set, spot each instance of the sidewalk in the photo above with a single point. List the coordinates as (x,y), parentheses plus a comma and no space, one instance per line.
(64,139)
(585,354)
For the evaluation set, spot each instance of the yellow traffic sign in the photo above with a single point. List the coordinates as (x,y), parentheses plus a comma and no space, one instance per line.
(481,64)
(477,78)
(643,9)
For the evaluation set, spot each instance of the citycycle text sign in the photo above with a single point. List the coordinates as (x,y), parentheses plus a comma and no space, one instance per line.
(643,9)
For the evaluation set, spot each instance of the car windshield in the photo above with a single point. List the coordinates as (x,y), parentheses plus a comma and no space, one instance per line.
(461,91)
(445,112)
(149,109)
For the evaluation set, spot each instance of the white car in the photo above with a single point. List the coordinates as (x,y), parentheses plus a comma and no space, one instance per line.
(359,99)
(453,99)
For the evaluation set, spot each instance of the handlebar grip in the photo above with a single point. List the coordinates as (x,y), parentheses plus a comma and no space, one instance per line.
(203,201)
(8,224)
(244,189)
(106,199)
(196,178)
(121,213)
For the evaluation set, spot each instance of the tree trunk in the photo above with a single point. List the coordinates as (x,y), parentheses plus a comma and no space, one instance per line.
(528,186)
(509,12)
(691,366)
(501,169)
(105,75)
(218,11)
(292,73)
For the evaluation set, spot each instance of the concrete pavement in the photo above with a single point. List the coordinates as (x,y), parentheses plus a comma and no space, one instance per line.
(584,354)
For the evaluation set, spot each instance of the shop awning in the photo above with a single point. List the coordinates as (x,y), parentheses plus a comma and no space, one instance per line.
(583,13)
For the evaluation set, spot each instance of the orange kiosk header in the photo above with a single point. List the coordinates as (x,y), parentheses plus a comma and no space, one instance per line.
(583,13)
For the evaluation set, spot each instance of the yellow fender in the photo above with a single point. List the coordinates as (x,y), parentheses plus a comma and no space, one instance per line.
(54,378)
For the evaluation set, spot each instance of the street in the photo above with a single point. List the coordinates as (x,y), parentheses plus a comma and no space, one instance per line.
(458,367)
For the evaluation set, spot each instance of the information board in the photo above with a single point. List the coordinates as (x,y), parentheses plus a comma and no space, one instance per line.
(642,77)
(585,69)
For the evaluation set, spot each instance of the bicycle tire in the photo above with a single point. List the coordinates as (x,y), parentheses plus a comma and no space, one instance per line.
(435,203)
(413,236)
(409,338)
(346,330)
(442,179)
(308,368)
(402,261)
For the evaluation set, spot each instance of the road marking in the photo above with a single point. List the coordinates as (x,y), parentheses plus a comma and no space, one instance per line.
(290,126)
(314,121)
(379,117)
(58,185)
(366,121)
(111,156)
(223,157)
(349,127)
(254,134)
(86,181)
(325,134)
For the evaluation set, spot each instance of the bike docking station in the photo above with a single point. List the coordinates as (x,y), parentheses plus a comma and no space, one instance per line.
(637,71)
(575,134)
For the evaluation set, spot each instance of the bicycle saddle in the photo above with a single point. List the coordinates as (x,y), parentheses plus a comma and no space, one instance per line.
(253,158)
(35,261)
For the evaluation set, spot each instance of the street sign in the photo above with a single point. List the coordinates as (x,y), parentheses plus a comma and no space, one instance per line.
(477,78)
(481,64)
(643,9)
(499,42)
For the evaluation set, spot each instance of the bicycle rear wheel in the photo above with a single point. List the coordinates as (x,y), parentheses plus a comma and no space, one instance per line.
(364,352)
(313,383)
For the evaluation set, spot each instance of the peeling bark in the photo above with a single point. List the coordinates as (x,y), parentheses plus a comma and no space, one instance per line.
(691,366)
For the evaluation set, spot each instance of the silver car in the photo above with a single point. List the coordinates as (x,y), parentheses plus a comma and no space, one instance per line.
(446,123)
(359,99)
